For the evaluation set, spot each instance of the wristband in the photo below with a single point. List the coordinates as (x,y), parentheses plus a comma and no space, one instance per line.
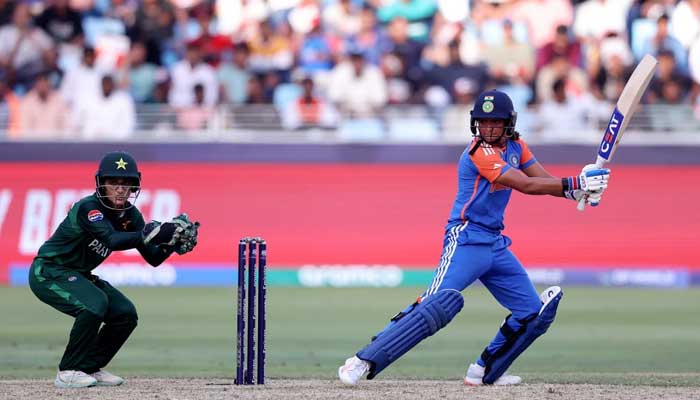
(570,183)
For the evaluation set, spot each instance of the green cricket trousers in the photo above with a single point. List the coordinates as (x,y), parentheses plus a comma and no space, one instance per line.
(92,302)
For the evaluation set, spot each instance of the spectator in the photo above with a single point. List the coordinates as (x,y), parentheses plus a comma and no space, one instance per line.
(562,45)
(398,89)
(407,49)
(269,81)
(142,74)
(83,81)
(211,44)
(663,41)
(239,18)
(189,72)
(542,17)
(342,18)
(615,45)
(474,76)
(304,16)
(613,79)
(356,87)
(419,13)
(560,117)
(109,116)
(510,59)
(309,110)
(370,40)
(9,110)
(195,117)
(670,85)
(43,112)
(575,79)
(685,21)
(60,21)
(315,54)
(154,27)
(161,90)
(234,76)
(596,18)
(270,51)
(24,48)
(255,91)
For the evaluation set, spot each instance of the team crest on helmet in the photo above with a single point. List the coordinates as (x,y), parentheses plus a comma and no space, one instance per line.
(121,164)
(487,106)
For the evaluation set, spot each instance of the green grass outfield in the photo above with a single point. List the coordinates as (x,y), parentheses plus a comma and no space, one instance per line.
(601,335)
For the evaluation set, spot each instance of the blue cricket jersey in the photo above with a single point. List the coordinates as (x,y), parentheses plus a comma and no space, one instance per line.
(479,200)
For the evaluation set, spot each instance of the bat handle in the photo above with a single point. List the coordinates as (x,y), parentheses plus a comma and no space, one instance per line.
(581,204)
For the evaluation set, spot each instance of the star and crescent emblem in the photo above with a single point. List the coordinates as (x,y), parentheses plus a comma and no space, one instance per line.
(121,164)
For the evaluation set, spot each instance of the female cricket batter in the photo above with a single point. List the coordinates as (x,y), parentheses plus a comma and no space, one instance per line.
(495,162)
(60,275)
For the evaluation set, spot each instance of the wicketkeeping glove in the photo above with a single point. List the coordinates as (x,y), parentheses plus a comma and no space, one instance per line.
(161,234)
(187,236)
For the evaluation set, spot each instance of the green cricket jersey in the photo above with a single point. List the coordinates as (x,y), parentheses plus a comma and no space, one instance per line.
(89,234)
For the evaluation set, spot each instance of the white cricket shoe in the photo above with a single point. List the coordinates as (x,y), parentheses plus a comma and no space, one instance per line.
(104,378)
(74,379)
(353,370)
(475,374)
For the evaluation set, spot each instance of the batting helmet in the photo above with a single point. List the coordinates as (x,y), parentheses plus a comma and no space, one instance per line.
(494,104)
(118,164)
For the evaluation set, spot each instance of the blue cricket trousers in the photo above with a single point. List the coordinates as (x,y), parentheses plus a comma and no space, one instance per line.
(471,252)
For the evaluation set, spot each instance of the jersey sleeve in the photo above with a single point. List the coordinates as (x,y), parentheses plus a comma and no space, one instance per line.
(92,221)
(526,157)
(138,222)
(489,162)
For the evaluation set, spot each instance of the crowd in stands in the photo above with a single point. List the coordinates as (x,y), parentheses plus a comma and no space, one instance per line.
(82,68)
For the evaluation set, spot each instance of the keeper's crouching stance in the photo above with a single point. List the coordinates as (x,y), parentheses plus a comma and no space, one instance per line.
(496,162)
(60,275)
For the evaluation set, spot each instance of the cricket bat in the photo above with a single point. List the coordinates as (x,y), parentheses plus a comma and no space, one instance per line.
(624,109)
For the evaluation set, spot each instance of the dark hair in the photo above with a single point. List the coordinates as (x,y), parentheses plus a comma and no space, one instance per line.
(559,84)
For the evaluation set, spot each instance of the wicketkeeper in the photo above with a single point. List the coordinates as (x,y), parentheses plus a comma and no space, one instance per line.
(496,161)
(60,275)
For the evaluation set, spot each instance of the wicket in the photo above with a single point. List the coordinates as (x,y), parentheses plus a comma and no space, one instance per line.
(256,249)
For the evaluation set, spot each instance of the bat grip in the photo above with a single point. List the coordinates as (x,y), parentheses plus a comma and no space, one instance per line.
(599,162)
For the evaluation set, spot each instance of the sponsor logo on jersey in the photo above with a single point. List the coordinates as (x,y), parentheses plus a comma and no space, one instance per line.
(95,215)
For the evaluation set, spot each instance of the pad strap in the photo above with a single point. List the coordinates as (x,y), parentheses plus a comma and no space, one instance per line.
(428,317)
(533,327)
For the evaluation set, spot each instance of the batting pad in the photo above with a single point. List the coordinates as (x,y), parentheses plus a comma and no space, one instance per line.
(431,315)
(498,363)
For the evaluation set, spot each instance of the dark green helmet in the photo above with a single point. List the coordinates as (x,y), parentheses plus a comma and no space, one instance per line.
(118,164)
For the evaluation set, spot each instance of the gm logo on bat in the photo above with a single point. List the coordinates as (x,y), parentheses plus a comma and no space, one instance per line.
(608,142)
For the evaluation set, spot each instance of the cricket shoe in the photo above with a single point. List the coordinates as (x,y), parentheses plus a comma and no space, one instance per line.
(104,378)
(475,376)
(74,379)
(353,370)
